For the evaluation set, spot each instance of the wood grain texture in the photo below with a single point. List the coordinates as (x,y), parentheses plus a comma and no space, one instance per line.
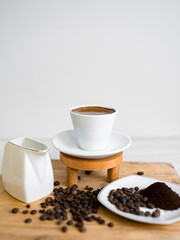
(12,226)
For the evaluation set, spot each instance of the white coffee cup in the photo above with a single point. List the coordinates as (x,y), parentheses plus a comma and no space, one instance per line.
(92,130)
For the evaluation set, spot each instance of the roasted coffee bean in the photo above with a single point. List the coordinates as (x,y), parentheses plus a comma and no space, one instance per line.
(116,195)
(126,209)
(74,187)
(42,210)
(118,205)
(156,213)
(132,211)
(124,189)
(141,213)
(28,205)
(28,220)
(53,203)
(51,217)
(64,217)
(110,224)
(130,205)
(70,199)
(145,199)
(64,213)
(94,211)
(88,172)
(70,222)
(89,219)
(57,215)
(79,224)
(137,209)
(44,205)
(150,205)
(121,208)
(140,173)
(33,212)
(136,188)
(57,209)
(44,217)
(48,199)
(143,204)
(90,189)
(48,211)
(102,221)
(15,210)
(147,214)
(25,211)
(82,229)
(79,177)
(64,229)
(56,183)
(74,192)
(59,222)
(123,200)
(112,191)
(137,204)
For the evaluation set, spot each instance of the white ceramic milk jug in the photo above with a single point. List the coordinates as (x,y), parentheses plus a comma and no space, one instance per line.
(26,170)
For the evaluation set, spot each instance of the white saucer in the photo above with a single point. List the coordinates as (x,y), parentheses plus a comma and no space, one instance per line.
(166,217)
(66,142)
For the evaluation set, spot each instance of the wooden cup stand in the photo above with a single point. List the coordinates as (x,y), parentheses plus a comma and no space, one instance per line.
(112,164)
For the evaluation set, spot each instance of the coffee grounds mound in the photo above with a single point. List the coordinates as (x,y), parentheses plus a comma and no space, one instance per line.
(161,196)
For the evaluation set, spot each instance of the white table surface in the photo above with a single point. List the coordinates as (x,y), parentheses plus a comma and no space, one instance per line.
(142,150)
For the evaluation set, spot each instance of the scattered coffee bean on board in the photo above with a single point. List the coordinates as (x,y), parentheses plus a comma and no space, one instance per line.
(33,212)
(82,229)
(110,224)
(88,172)
(42,210)
(79,177)
(25,211)
(56,183)
(59,222)
(64,229)
(48,199)
(15,210)
(44,217)
(44,205)
(80,203)
(28,220)
(140,173)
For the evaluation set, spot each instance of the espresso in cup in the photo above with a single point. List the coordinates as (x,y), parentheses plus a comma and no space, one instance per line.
(93,110)
(92,126)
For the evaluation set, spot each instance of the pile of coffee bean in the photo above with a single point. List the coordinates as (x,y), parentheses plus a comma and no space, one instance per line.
(81,204)
(130,200)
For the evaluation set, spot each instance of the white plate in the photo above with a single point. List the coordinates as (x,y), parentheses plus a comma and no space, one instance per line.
(166,217)
(66,142)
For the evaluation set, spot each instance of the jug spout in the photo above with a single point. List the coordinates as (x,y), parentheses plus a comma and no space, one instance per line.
(29,144)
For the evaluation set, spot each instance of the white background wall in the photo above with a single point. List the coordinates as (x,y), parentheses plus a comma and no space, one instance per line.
(56,54)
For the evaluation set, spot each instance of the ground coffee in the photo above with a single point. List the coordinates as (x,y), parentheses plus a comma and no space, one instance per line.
(161,196)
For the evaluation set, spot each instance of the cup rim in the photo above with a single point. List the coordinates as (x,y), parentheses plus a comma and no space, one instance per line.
(94,116)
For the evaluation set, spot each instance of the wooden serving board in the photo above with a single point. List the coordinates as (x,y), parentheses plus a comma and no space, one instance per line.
(12,226)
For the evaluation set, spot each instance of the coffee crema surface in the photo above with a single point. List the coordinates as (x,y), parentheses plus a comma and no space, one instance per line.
(93,110)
